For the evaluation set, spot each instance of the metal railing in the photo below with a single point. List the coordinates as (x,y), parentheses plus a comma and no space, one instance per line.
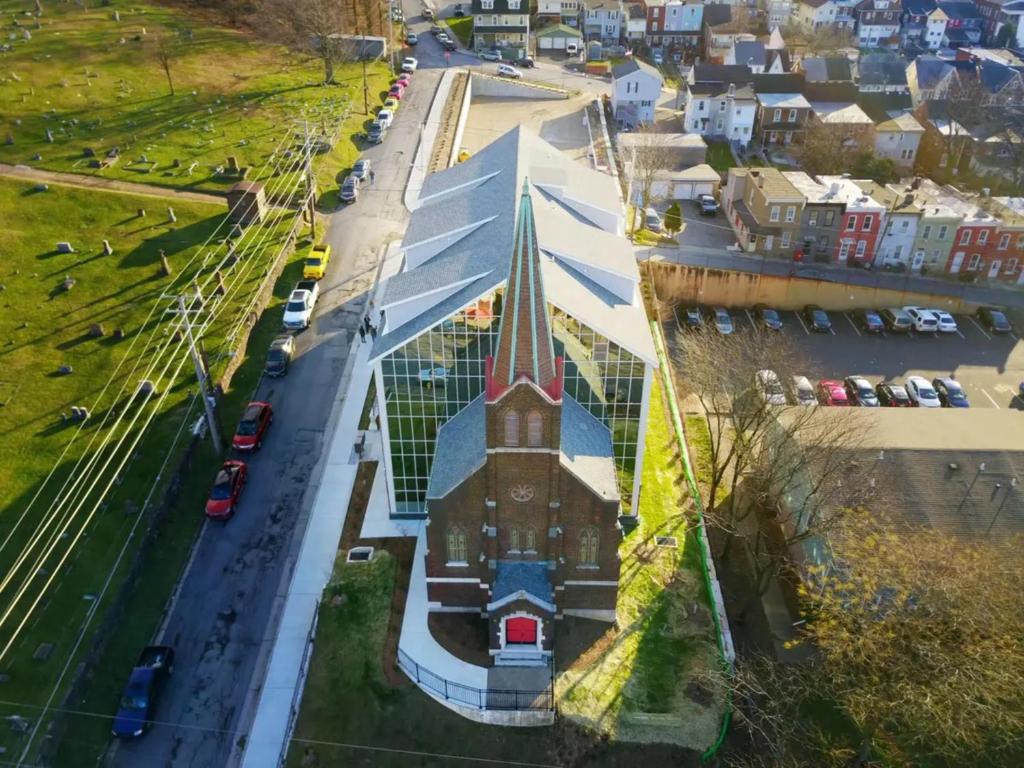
(478,698)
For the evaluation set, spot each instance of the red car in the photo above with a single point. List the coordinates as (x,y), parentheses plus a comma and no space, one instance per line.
(253,427)
(396,91)
(832,392)
(226,490)
(403,79)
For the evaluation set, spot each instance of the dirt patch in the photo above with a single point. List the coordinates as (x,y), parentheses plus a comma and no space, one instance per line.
(464,634)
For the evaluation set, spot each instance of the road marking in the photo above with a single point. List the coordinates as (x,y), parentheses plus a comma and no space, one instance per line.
(960,334)
(832,329)
(852,324)
(986,394)
(750,317)
(978,326)
(801,321)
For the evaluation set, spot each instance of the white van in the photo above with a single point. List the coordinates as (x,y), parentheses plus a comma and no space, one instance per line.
(572,49)
(652,220)
(924,320)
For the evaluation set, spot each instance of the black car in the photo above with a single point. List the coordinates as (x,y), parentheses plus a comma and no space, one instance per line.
(950,393)
(435,30)
(869,321)
(817,319)
(525,63)
(767,318)
(994,320)
(689,318)
(459,11)
(706,204)
(893,396)
(860,391)
(279,357)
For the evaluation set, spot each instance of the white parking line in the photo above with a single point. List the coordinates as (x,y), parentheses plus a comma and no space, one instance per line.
(958,333)
(852,324)
(801,321)
(978,326)
(986,394)
(750,317)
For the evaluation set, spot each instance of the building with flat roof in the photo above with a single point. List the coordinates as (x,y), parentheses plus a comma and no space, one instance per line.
(439,316)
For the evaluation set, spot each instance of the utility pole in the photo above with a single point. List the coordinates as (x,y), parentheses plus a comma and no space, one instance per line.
(201,374)
(310,183)
(366,91)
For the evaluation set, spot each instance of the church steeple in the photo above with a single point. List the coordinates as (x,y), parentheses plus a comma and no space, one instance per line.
(525,348)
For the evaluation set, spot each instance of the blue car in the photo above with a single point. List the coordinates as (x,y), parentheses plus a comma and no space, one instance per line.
(138,702)
(950,393)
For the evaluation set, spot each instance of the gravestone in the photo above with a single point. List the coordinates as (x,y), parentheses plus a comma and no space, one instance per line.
(117,15)
(170,214)
(49,136)
(96,330)
(147,387)
(165,265)
(118,333)
(41,187)
(68,284)
(64,370)
(107,250)
(176,163)
(232,164)
(10,139)
(89,152)
(141,213)
(64,247)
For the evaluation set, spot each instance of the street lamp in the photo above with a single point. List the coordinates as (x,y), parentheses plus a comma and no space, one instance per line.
(1013,484)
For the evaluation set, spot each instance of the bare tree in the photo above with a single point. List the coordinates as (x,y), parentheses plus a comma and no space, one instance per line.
(812,42)
(964,107)
(308,25)
(825,149)
(649,156)
(166,51)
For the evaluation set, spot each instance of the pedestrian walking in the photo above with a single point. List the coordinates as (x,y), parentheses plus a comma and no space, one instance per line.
(373,332)
(362,334)
(373,176)
(366,323)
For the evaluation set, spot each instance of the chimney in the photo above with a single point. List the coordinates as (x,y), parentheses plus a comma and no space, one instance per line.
(833,188)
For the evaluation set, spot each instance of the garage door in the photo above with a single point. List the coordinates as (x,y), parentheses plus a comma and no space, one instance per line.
(703,188)
(683,191)
(545,43)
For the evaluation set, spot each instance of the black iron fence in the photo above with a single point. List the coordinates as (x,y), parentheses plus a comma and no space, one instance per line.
(478,698)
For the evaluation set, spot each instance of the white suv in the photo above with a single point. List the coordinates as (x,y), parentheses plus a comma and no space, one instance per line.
(922,393)
(923,319)
(947,323)
(298,311)
(770,387)
(507,70)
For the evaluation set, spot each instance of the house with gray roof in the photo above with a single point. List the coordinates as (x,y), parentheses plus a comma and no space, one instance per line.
(636,88)
(881,73)
(827,69)
(439,315)
(749,52)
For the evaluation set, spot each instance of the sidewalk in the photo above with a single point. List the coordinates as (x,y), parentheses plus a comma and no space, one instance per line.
(27,173)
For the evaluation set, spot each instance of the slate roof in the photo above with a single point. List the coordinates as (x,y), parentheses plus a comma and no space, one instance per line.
(718,14)
(721,73)
(885,106)
(882,69)
(500,6)
(587,449)
(919,7)
(750,52)
(461,450)
(720,89)
(995,76)
(786,83)
(633,64)
(827,69)
(840,113)
(929,70)
(511,578)
(833,92)
(960,9)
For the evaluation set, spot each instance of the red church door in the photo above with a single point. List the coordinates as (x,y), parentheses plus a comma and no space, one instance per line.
(520,631)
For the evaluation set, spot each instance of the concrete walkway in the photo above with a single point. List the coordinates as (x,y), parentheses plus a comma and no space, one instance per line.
(26,173)
(428,135)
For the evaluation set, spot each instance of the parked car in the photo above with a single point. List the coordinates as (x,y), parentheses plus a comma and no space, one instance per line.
(951,394)
(689,318)
(869,321)
(459,11)
(923,319)
(658,56)
(860,391)
(442,37)
(490,55)
(145,684)
(652,220)
(802,392)
(448,44)
(316,262)
(994,320)
(435,30)
(947,323)
(349,191)
(298,311)
(409,64)
(253,426)
(831,392)
(405,78)
(396,91)
(411,39)
(279,356)
(572,49)
(361,169)
(391,103)
(893,396)
(227,488)
(706,204)
(921,392)
(770,387)
(896,320)
(767,318)
(375,133)
(526,63)
(385,117)
(720,319)
(817,319)
(507,70)
(428,14)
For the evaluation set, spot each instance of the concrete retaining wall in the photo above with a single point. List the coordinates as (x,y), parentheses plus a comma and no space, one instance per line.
(699,285)
(460,127)
(506,88)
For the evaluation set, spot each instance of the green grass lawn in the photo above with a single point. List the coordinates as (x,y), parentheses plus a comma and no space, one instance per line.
(720,157)
(647,237)
(42,328)
(462,28)
(662,645)
(234,96)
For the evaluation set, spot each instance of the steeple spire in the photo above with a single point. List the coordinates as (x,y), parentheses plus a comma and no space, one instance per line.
(524,337)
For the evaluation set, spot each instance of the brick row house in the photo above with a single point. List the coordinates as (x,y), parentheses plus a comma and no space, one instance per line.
(677,25)
(764,210)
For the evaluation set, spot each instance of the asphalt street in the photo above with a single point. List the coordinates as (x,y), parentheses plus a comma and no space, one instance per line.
(225,609)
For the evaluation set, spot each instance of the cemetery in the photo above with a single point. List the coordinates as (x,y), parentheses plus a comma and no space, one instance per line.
(84,92)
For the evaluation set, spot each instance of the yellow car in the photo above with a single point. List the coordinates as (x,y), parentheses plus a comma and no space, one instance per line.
(316,263)
(391,103)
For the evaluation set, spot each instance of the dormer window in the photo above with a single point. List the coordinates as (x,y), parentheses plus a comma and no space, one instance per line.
(487,5)
(513,5)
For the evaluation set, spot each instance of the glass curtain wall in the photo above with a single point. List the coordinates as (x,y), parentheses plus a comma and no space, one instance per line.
(432,378)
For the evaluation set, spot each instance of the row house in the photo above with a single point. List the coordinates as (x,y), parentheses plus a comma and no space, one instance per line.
(782,118)
(976,238)
(898,139)
(500,24)
(816,15)
(822,218)
(862,222)
(636,87)
(995,15)
(935,228)
(779,13)
(1010,250)
(764,210)
(675,24)
(902,216)
(878,24)
(827,69)
(603,20)
(723,26)
(636,22)
(882,73)
(926,78)
(558,12)
(720,103)
(923,26)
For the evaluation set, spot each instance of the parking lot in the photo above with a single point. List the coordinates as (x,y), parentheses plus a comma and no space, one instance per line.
(989,367)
